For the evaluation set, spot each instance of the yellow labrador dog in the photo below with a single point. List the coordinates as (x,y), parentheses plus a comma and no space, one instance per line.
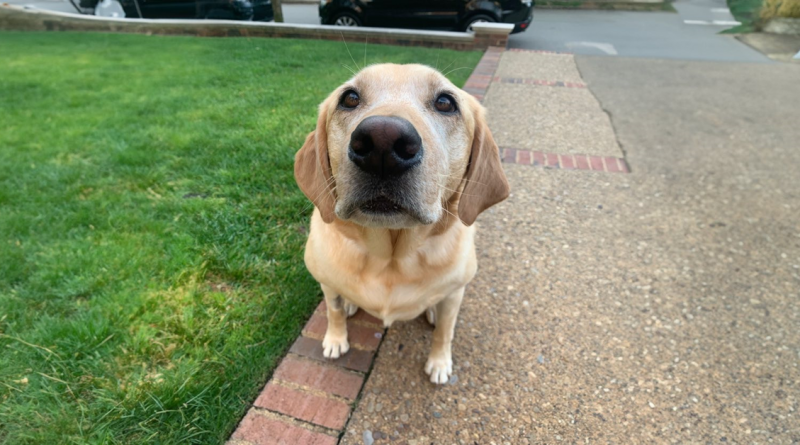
(399,167)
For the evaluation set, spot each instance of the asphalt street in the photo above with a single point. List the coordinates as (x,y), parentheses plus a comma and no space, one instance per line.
(689,34)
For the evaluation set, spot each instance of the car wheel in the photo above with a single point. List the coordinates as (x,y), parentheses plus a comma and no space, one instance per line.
(346,19)
(480,18)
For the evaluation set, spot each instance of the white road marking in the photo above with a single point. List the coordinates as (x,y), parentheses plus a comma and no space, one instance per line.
(604,47)
(720,10)
(713,22)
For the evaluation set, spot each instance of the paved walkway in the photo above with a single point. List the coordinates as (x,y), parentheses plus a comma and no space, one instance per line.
(658,306)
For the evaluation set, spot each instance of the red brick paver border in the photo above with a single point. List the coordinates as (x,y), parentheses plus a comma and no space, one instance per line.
(538,51)
(319,410)
(549,83)
(309,398)
(608,164)
(481,77)
(360,336)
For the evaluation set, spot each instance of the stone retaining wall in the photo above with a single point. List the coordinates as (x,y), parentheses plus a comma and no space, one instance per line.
(782,25)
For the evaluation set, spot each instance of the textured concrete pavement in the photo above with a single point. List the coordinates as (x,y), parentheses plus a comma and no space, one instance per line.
(658,306)
(549,119)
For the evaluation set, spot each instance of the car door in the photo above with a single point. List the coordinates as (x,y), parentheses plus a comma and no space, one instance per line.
(168,9)
(386,13)
(437,14)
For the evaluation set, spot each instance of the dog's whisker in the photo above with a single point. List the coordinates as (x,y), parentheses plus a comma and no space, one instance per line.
(348,50)
(444,208)
(455,69)
(469,180)
(461,192)
(326,187)
(349,69)
(308,205)
(453,175)
(448,65)
(457,191)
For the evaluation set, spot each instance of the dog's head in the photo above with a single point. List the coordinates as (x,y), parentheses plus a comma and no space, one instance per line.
(394,145)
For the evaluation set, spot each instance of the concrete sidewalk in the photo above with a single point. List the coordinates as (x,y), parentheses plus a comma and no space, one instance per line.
(658,306)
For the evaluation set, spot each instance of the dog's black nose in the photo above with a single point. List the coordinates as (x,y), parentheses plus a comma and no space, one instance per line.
(385,146)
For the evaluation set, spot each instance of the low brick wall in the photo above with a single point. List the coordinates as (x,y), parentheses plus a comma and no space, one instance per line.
(21,19)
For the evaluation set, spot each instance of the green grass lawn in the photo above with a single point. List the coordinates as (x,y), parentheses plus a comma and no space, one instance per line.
(151,231)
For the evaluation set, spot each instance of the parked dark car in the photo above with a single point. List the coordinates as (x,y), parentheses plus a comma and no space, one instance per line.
(437,14)
(260,10)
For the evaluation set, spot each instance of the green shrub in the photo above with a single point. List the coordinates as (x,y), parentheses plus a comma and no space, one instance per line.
(780,8)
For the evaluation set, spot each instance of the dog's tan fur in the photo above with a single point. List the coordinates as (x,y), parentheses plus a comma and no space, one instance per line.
(400,269)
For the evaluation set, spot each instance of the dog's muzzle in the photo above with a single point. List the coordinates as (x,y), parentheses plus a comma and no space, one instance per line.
(385,150)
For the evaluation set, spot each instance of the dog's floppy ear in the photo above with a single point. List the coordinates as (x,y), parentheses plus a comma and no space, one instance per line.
(486,183)
(312,168)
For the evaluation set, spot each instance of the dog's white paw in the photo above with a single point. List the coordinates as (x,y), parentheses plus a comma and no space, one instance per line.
(350,309)
(334,347)
(439,369)
(430,314)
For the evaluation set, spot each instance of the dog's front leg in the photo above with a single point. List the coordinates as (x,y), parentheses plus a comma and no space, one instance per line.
(440,361)
(335,342)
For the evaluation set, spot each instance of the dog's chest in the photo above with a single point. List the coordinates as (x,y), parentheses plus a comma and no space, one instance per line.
(396,286)
(394,292)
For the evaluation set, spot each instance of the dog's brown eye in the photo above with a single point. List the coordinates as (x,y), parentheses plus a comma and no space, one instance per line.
(350,99)
(445,104)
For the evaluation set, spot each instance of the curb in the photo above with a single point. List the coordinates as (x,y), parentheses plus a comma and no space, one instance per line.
(309,398)
(478,82)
